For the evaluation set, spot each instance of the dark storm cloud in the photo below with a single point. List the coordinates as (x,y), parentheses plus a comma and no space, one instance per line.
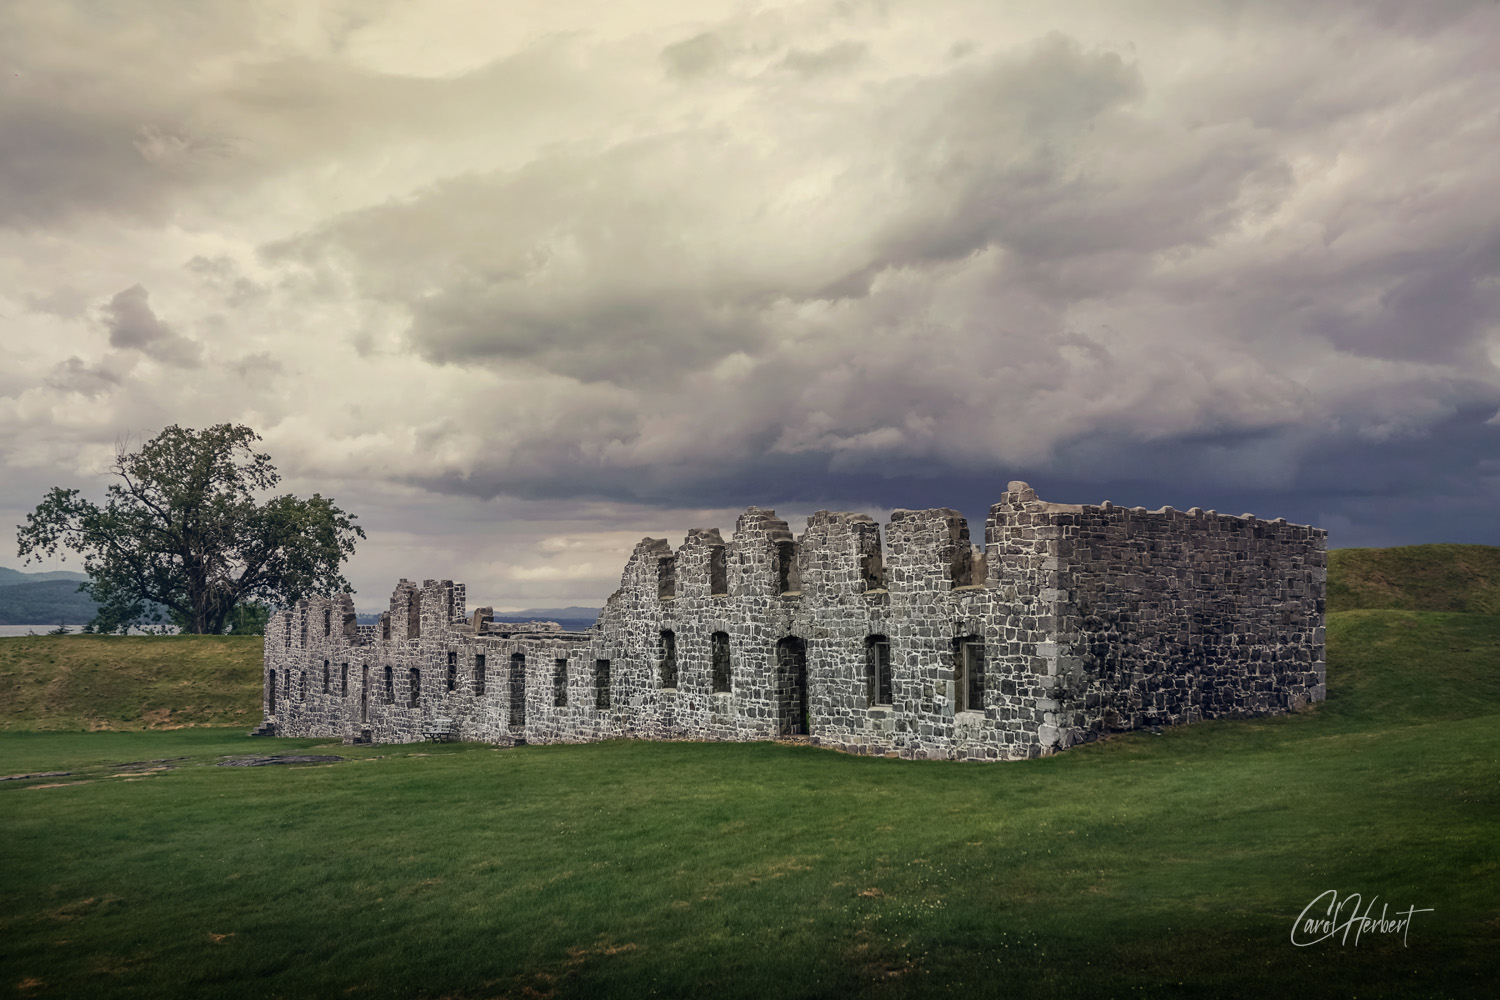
(133,326)
(834,253)
(1012,264)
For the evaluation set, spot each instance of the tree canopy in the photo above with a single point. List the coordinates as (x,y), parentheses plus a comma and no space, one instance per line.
(181,535)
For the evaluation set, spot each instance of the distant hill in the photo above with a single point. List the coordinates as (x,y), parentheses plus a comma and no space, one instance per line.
(13,577)
(46,603)
(1415,578)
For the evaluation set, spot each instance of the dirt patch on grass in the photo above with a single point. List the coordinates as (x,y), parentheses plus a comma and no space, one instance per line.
(59,784)
(295,758)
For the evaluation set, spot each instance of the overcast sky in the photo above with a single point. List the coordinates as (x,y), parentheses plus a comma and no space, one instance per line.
(520,283)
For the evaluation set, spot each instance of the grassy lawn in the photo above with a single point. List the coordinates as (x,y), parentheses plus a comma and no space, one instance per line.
(1139,866)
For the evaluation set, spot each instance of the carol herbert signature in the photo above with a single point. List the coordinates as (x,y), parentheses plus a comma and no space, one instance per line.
(1328,916)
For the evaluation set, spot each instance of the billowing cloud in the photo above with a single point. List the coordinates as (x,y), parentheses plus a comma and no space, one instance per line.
(812,253)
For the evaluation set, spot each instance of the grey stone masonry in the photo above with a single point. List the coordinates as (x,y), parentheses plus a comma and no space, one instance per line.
(1071,621)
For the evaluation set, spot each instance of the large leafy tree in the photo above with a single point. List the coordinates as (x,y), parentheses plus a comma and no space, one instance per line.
(182,536)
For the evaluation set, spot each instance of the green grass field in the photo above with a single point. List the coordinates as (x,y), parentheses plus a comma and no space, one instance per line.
(1139,866)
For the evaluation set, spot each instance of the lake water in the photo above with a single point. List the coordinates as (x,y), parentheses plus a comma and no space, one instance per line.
(7,630)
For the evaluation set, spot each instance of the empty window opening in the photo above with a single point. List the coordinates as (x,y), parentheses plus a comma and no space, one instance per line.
(788,581)
(452,671)
(718,571)
(344,680)
(667,657)
(304,626)
(414,686)
(385,625)
(479,673)
(518,689)
(968,674)
(325,676)
(878,669)
(390,688)
(302,685)
(560,683)
(328,621)
(414,616)
(666,577)
(872,570)
(271,690)
(601,683)
(718,645)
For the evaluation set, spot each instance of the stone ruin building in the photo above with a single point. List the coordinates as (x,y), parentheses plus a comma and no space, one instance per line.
(1071,622)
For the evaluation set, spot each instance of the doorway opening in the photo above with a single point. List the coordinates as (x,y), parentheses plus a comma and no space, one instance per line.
(793,717)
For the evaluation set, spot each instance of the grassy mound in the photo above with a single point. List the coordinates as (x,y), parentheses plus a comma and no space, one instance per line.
(51,682)
(1415,578)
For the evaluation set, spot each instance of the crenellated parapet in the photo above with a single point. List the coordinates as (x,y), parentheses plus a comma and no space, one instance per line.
(762,556)
(840,553)
(1068,622)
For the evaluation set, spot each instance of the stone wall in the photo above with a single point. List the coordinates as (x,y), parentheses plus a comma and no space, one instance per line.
(1071,621)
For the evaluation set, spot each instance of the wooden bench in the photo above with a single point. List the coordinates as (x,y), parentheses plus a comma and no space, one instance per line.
(439,730)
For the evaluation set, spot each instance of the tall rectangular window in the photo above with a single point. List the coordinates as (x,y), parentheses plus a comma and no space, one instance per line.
(414,686)
(325,676)
(518,689)
(479,673)
(601,683)
(968,674)
(390,687)
(452,670)
(878,669)
(668,656)
(718,645)
(560,683)
(344,680)
(718,571)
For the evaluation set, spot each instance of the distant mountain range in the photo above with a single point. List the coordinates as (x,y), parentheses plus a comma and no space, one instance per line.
(52,597)
(12,577)
(572,617)
(43,598)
